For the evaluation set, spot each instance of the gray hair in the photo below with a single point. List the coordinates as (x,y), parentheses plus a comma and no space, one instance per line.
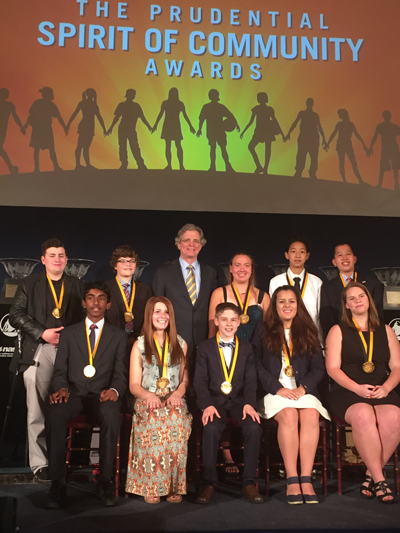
(190,227)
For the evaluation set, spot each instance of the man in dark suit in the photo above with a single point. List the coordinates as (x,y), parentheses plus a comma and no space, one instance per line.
(44,304)
(90,376)
(225,385)
(188,284)
(331,292)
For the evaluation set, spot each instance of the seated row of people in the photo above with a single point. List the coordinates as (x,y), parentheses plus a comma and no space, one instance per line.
(289,366)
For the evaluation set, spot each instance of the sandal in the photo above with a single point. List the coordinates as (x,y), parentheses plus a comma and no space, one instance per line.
(174,498)
(231,470)
(294,499)
(152,499)
(382,486)
(308,498)
(367,488)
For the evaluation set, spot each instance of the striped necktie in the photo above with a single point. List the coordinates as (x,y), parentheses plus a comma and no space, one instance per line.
(128,325)
(191,284)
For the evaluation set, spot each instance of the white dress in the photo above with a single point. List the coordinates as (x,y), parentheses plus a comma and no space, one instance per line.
(273,403)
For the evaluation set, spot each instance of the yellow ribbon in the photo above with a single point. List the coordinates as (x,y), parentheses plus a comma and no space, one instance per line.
(242,306)
(343,280)
(129,306)
(288,352)
(371,341)
(235,356)
(56,301)
(92,354)
(163,356)
(303,289)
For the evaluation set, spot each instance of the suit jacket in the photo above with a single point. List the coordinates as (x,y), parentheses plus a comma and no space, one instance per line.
(309,370)
(72,357)
(191,320)
(115,315)
(28,312)
(331,293)
(209,376)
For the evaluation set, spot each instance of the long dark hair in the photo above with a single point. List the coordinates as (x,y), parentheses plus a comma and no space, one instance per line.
(347,316)
(148,332)
(304,334)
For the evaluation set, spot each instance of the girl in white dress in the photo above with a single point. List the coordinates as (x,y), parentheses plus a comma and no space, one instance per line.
(290,366)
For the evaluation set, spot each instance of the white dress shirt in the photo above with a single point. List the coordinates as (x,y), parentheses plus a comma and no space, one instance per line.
(312,294)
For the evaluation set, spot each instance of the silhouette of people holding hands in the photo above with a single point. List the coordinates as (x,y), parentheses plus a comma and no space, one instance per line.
(266,128)
(390,155)
(344,146)
(40,118)
(7,109)
(219,120)
(129,112)
(90,110)
(171,130)
(308,140)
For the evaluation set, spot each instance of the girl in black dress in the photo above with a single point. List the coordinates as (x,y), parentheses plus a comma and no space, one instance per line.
(363,358)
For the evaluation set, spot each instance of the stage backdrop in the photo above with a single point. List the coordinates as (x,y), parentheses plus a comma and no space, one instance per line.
(283,106)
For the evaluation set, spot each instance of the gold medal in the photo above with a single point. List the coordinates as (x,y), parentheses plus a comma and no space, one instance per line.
(89,371)
(226,387)
(128,316)
(289,371)
(244,319)
(57,313)
(368,367)
(162,383)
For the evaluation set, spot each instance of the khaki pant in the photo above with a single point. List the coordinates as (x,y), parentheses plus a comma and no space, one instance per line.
(37,381)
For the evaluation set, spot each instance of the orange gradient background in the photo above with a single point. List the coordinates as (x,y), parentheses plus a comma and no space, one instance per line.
(365,88)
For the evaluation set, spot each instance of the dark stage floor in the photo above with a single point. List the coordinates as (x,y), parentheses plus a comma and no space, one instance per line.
(227,512)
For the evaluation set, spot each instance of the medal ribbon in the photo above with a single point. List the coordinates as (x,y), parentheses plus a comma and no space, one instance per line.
(129,306)
(57,301)
(163,356)
(343,281)
(288,352)
(371,341)
(303,288)
(245,306)
(233,365)
(92,354)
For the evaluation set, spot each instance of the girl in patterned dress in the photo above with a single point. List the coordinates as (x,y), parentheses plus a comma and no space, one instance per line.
(161,424)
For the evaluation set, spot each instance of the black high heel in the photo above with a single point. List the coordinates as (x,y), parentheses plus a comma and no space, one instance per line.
(367,488)
(308,498)
(383,487)
(294,499)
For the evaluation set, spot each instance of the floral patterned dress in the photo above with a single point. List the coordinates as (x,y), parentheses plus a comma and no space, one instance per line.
(159,437)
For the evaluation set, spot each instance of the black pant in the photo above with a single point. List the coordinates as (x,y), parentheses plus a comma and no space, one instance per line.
(212,432)
(105,414)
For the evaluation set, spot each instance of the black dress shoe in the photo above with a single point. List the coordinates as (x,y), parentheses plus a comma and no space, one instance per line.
(205,495)
(41,475)
(106,492)
(56,497)
(252,494)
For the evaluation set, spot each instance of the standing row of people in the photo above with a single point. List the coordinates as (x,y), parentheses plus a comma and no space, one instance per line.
(187,307)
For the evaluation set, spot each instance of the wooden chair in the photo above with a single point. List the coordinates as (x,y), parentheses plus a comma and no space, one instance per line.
(341,427)
(78,425)
(270,428)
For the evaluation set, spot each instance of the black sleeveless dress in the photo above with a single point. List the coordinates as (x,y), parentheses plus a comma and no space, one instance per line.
(255,314)
(353,357)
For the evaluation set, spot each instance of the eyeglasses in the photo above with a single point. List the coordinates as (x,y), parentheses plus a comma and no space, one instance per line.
(127,261)
(190,241)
